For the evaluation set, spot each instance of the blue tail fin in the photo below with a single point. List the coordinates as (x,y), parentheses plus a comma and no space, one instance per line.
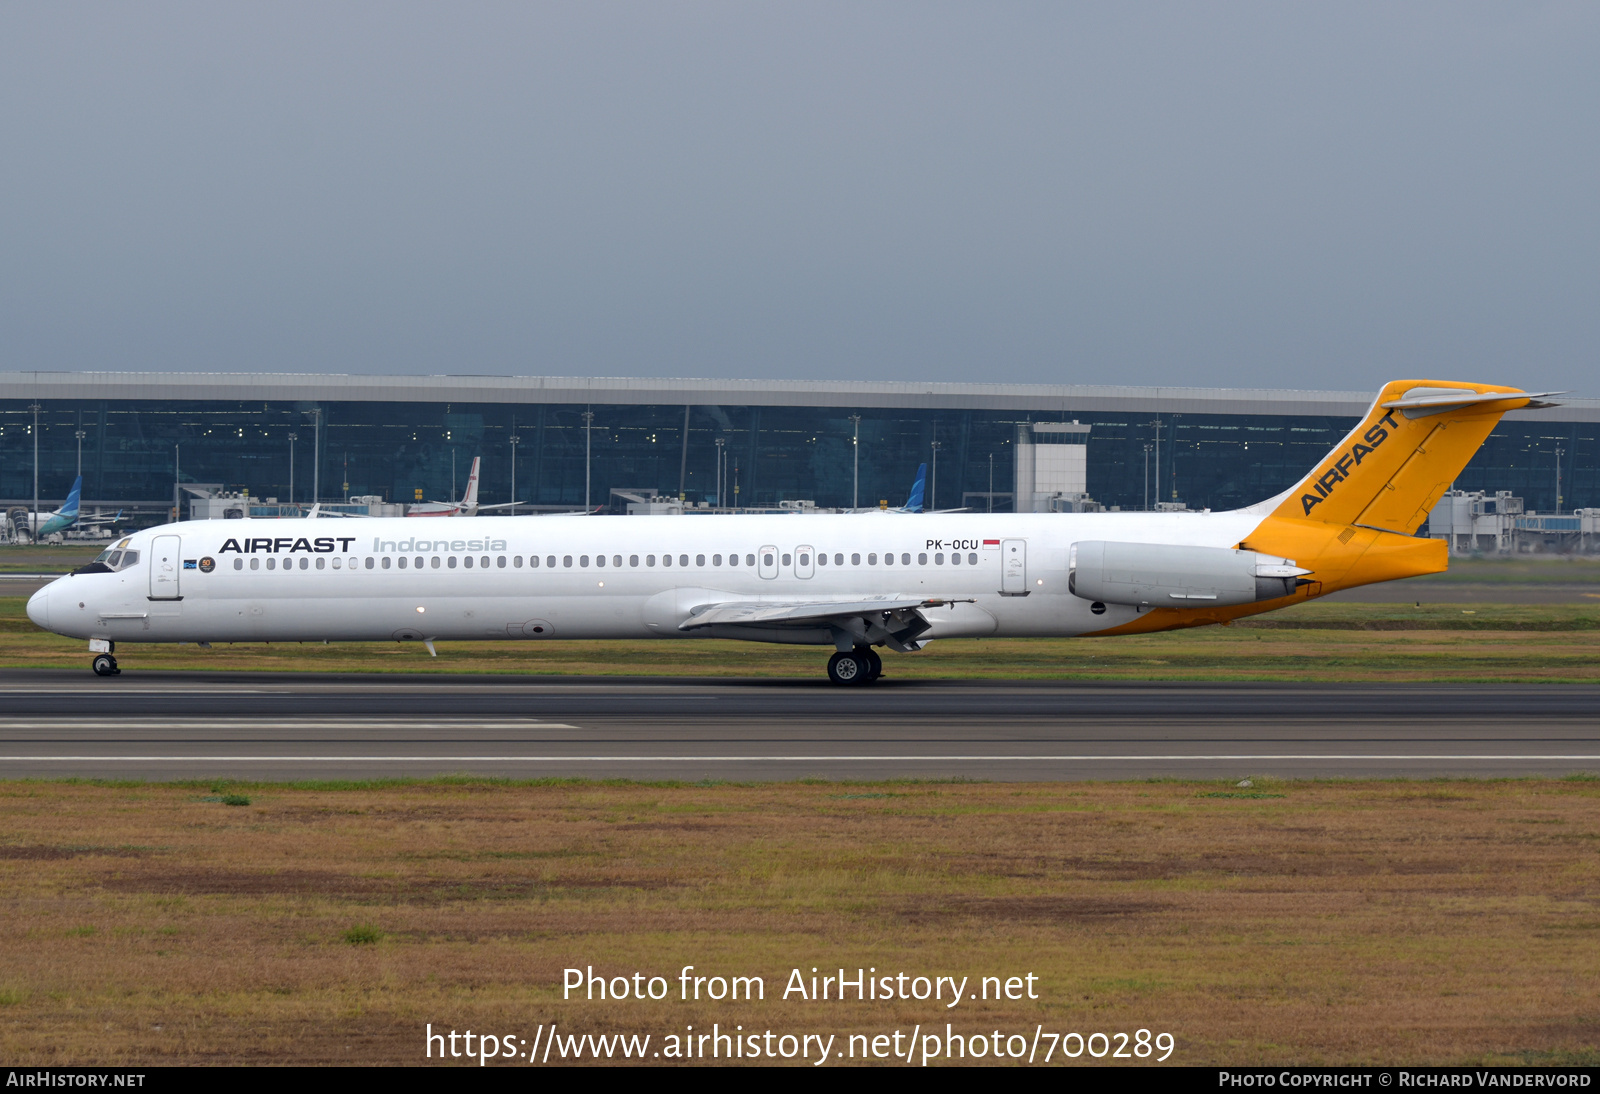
(69,508)
(914,502)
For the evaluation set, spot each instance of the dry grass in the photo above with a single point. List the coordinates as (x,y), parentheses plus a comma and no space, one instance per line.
(1292,922)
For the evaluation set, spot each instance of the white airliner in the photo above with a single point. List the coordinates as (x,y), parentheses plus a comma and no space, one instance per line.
(854,582)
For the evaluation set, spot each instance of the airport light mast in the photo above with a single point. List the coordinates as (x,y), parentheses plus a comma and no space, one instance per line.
(293,436)
(722,502)
(588,433)
(514,439)
(855,464)
(933,480)
(33,531)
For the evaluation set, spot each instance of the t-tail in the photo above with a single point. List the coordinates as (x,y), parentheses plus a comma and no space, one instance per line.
(1391,470)
(1354,518)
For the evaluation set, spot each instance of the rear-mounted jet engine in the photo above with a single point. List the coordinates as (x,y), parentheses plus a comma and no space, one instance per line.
(1171,576)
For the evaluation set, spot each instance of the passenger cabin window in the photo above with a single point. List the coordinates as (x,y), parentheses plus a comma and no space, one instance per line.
(766,560)
(938,558)
(872,559)
(922,559)
(255,564)
(238,564)
(855,559)
(566,560)
(716,560)
(599,560)
(649,560)
(272,564)
(633,560)
(322,562)
(700,560)
(683,560)
(666,560)
(905,560)
(750,560)
(888,558)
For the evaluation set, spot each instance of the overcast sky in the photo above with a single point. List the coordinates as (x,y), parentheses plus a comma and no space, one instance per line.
(1295,195)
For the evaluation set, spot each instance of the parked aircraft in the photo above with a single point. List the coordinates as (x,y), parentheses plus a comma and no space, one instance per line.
(467,507)
(36,526)
(856,582)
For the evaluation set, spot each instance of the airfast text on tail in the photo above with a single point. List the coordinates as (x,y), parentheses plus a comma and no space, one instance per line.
(1394,466)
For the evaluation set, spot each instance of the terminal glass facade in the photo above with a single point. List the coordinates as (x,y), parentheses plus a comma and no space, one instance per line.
(131,451)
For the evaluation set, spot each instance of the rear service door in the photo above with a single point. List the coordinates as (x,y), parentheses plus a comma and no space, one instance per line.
(1013,567)
(165,566)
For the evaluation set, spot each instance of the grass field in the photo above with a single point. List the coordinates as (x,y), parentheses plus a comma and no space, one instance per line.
(1324,641)
(1445,922)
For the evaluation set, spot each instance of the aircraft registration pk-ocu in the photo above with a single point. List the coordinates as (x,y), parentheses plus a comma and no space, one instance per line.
(854,582)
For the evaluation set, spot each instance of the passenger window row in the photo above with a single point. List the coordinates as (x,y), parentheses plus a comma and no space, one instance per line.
(485,562)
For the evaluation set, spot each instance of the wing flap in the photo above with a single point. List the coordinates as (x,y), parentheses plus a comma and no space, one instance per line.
(768,614)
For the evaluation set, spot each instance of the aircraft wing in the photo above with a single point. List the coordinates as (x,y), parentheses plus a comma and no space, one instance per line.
(503,505)
(893,620)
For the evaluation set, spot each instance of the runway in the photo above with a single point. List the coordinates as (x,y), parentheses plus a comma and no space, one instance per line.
(153,725)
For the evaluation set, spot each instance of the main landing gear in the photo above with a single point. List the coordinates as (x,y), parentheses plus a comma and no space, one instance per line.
(861,665)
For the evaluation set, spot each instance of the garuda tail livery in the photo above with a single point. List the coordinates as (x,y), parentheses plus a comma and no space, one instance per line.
(855,582)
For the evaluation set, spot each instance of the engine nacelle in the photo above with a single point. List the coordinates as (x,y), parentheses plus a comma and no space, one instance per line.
(1163,575)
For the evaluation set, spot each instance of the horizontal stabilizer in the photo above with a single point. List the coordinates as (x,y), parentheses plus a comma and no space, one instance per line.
(1444,399)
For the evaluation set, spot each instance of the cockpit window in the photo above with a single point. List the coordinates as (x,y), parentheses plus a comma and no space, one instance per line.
(110,561)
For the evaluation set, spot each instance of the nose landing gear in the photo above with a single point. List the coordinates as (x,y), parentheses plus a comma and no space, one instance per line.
(861,665)
(105,665)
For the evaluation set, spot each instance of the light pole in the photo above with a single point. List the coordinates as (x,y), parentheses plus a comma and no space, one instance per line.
(80,435)
(722,502)
(293,436)
(514,442)
(1157,424)
(33,531)
(855,464)
(177,477)
(991,482)
(316,455)
(1147,478)
(1559,451)
(588,450)
(933,481)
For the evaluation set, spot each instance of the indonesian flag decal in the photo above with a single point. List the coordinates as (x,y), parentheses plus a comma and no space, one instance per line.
(991,545)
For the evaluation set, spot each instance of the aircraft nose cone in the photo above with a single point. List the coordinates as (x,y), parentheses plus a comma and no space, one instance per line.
(39,607)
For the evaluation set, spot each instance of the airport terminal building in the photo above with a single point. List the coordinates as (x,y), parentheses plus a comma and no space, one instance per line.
(406,438)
